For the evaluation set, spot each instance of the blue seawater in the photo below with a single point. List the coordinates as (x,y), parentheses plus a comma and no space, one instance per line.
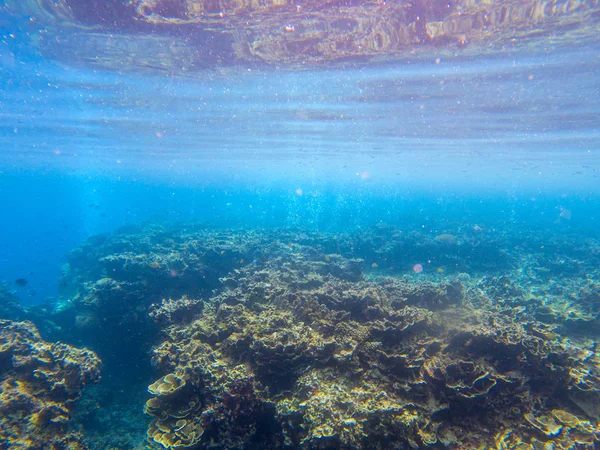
(85,151)
(505,143)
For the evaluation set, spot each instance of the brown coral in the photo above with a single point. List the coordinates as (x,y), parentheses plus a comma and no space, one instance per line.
(340,360)
(292,345)
(39,382)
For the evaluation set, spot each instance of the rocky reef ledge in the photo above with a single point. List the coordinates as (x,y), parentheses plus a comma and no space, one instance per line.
(282,339)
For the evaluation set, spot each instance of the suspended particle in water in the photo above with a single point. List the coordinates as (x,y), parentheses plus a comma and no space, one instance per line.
(299,192)
(417,268)
(565,213)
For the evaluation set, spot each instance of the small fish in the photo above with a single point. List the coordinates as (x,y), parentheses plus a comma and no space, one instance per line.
(441,270)
(155,265)
(374,265)
(21,282)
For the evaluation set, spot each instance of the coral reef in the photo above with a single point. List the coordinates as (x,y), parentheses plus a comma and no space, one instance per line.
(309,359)
(175,311)
(9,304)
(39,382)
(110,415)
(288,339)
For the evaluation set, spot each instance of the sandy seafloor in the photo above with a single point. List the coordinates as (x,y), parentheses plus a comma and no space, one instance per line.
(448,335)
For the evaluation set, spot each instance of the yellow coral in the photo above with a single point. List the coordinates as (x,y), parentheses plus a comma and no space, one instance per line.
(167,385)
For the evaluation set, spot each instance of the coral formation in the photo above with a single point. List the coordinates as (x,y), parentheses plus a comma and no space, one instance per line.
(39,382)
(171,311)
(286,339)
(9,304)
(328,361)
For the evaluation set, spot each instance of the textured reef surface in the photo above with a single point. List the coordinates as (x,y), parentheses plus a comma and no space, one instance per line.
(286,339)
(39,382)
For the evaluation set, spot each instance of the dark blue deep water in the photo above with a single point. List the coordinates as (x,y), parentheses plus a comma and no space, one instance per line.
(452,180)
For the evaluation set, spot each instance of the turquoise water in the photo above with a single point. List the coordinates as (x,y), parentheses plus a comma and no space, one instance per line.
(466,165)
(87,150)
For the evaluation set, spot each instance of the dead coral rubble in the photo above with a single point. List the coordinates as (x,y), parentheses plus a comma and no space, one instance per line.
(39,382)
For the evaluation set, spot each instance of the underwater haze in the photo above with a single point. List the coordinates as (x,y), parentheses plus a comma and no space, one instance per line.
(299,225)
